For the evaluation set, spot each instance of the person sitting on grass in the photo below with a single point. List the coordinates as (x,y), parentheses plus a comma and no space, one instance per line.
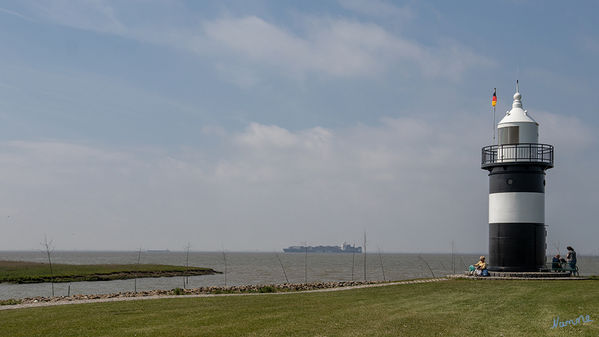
(481,267)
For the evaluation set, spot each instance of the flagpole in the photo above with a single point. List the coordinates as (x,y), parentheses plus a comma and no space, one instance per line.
(494,126)
(493,102)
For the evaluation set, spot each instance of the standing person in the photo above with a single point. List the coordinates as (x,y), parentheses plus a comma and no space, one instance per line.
(571,257)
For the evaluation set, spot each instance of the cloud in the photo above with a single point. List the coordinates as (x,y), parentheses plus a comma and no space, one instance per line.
(337,48)
(240,46)
(570,133)
(267,136)
(92,15)
(414,185)
(15,13)
(243,77)
(147,22)
(267,180)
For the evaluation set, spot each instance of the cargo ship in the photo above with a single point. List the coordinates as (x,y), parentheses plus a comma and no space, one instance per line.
(345,248)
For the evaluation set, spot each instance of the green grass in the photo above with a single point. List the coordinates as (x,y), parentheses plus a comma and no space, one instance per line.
(32,272)
(449,308)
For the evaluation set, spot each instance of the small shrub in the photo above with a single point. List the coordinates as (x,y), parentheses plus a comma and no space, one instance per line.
(178,291)
(10,302)
(267,289)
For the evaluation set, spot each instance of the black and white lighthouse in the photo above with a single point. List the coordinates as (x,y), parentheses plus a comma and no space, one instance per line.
(517,165)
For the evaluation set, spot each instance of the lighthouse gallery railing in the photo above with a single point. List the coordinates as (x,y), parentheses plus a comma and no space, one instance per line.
(494,155)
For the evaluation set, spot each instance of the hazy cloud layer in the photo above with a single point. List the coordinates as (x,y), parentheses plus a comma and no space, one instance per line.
(335,47)
(338,48)
(407,182)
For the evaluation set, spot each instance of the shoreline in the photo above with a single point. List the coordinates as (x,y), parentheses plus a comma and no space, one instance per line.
(244,290)
(214,291)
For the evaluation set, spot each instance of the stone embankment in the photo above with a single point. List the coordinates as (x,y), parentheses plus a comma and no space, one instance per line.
(264,288)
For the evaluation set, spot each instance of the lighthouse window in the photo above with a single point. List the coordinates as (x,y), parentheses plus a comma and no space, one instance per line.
(509,135)
(510,181)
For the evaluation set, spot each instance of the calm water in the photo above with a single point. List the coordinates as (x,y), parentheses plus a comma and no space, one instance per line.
(249,268)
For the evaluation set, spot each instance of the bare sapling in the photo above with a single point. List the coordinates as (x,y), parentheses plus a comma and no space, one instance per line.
(135,279)
(464,263)
(556,246)
(364,256)
(452,257)
(306,264)
(283,267)
(382,266)
(186,278)
(48,249)
(353,262)
(225,261)
(427,265)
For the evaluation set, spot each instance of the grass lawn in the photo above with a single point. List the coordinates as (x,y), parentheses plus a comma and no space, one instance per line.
(449,308)
(32,272)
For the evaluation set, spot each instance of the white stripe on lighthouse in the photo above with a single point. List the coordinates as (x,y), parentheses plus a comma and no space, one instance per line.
(517,207)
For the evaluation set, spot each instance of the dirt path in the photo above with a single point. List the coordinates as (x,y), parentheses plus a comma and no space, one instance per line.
(118,299)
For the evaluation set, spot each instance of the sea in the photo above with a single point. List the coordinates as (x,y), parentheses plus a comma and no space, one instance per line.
(244,268)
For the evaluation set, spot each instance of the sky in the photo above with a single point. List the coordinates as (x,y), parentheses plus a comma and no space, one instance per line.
(256,125)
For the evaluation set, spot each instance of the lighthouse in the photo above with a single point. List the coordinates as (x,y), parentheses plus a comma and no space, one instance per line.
(517,165)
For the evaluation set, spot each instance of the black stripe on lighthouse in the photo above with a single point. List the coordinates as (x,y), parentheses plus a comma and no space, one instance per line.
(517,246)
(516,179)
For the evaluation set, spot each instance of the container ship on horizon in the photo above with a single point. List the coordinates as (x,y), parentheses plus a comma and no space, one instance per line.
(345,248)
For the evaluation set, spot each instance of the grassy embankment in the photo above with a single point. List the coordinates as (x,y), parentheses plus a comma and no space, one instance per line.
(32,272)
(450,308)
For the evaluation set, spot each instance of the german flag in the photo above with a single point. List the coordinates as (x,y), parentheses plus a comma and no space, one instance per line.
(494,100)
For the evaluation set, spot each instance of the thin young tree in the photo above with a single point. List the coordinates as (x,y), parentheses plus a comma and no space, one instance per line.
(464,263)
(353,262)
(364,256)
(48,248)
(428,266)
(382,266)
(452,257)
(282,267)
(306,263)
(136,274)
(225,261)
(186,278)
(457,254)
(556,245)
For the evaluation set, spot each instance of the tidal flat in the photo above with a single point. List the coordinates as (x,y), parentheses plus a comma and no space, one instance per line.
(35,272)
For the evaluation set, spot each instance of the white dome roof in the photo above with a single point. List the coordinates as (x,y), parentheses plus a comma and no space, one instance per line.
(517,114)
